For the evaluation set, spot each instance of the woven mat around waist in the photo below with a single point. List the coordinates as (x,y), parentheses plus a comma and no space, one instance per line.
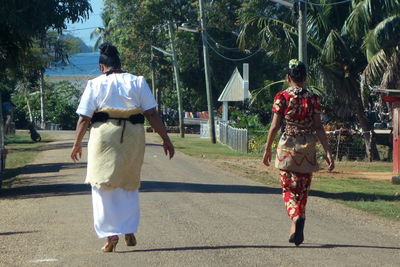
(112,164)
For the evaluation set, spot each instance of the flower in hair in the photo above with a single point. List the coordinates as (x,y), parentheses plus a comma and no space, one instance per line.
(293,63)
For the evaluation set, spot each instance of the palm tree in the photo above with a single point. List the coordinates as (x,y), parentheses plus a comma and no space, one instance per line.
(103,33)
(377,24)
(339,38)
(381,41)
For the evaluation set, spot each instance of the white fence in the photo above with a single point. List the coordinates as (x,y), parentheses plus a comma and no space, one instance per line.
(236,138)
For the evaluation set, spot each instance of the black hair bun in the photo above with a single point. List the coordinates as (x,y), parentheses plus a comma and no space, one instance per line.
(108,49)
(297,70)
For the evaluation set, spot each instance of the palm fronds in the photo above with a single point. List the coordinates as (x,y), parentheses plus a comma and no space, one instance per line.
(257,93)
(384,36)
(376,66)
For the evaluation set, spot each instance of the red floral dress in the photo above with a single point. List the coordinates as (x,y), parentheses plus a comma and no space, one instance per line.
(297,107)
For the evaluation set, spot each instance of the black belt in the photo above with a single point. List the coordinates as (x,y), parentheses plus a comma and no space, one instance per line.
(103,117)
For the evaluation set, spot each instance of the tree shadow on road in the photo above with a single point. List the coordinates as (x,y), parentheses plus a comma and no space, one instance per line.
(65,189)
(51,167)
(40,168)
(304,246)
(46,190)
(9,175)
(159,186)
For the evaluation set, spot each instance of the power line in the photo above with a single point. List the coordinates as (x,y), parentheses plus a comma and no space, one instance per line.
(89,28)
(218,45)
(232,59)
(326,4)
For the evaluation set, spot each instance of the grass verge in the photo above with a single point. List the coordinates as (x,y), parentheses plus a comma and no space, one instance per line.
(378,166)
(377,197)
(21,151)
(198,147)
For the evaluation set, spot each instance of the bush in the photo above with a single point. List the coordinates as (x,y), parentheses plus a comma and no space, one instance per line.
(253,121)
(61,104)
(61,101)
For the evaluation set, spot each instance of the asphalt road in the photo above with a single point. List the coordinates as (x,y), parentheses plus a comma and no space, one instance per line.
(193,214)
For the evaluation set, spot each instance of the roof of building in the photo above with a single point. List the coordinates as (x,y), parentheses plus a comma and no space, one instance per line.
(234,89)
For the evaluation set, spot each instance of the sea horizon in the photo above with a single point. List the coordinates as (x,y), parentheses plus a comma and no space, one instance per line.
(80,64)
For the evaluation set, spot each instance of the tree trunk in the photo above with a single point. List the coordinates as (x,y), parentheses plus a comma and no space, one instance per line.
(29,110)
(370,145)
(391,78)
(42,118)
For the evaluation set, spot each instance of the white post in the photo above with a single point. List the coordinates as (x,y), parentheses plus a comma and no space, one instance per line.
(225,111)
(246,80)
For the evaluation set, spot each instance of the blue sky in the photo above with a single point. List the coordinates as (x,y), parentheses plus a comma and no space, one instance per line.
(93,21)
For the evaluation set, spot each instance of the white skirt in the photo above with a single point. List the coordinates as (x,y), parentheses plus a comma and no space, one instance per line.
(115,211)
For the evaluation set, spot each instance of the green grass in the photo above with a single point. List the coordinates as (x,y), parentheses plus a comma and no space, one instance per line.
(366,166)
(199,147)
(377,197)
(22,151)
(380,207)
(21,137)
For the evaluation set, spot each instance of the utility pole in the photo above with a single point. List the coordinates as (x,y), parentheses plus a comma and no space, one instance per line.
(2,148)
(302,24)
(176,71)
(153,77)
(207,74)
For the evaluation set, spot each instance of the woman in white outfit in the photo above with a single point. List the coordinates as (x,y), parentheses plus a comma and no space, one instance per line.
(115,105)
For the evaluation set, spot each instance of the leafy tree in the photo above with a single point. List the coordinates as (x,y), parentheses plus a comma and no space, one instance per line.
(62,99)
(378,24)
(339,38)
(21,21)
(103,33)
(24,27)
(138,24)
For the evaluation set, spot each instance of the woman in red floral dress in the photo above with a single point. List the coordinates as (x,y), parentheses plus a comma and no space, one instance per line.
(299,111)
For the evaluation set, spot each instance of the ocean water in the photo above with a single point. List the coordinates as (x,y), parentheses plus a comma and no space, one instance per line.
(79,64)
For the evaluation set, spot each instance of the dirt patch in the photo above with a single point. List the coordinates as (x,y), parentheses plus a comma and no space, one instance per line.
(258,171)
(343,173)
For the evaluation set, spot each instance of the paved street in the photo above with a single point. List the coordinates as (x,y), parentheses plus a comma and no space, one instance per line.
(193,214)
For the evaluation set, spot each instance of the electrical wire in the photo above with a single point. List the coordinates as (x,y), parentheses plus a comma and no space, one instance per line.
(234,49)
(326,4)
(232,59)
(82,29)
